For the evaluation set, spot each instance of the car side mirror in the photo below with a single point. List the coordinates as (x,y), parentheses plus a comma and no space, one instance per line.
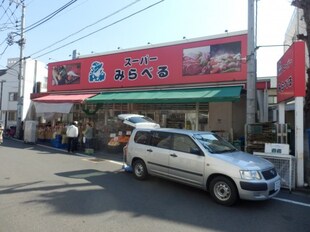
(195,151)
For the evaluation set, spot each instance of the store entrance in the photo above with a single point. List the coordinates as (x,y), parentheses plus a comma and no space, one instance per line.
(188,120)
(191,116)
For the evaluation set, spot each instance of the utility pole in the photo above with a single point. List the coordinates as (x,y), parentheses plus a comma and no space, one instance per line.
(251,66)
(21,44)
(1,82)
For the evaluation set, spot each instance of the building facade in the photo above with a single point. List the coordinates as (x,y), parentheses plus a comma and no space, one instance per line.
(34,79)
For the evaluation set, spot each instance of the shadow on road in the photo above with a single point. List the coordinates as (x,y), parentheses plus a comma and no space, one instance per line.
(152,198)
(109,191)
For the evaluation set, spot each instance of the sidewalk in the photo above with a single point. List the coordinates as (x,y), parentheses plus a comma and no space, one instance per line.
(102,154)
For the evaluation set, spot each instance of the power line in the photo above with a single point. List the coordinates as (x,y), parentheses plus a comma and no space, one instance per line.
(12,14)
(83,37)
(4,50)
(48,17)
(86,27)
(9,24)
(6,26)
(6,12)
(35,24)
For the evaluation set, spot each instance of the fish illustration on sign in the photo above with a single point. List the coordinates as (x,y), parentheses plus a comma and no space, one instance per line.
(96,73)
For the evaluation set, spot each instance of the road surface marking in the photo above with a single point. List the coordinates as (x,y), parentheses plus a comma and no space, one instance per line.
(292,202)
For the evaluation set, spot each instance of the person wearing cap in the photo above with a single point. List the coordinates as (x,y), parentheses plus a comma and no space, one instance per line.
(1,134)
(72,135)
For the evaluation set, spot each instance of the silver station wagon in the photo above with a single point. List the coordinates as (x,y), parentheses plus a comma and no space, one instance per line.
(201,159)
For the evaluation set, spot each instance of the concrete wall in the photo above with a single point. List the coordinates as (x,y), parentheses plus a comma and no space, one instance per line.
(228,117)
(220,119)
(239,117)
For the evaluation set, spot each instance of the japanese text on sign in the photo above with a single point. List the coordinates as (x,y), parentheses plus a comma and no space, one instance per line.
(161,71)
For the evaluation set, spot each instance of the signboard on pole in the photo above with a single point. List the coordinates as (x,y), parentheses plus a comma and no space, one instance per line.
(291,80)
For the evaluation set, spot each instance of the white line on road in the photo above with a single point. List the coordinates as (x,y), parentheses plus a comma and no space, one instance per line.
(292,202)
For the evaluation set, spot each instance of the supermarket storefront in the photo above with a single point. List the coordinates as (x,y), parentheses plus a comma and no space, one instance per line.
(195,84)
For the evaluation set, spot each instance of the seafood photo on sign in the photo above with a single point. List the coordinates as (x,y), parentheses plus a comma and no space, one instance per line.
(220,58)
(66,74)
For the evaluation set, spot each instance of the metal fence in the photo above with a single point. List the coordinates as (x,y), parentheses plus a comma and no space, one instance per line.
(285,166)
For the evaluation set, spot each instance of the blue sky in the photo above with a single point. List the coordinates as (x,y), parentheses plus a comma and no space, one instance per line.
(167,21)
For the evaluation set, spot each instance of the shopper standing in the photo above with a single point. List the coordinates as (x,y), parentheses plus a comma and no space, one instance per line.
(88,134)
(72,135)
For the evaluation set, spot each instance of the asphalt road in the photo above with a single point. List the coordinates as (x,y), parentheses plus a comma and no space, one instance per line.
(43,189)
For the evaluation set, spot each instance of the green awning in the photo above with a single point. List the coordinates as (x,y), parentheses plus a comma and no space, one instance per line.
(212,94)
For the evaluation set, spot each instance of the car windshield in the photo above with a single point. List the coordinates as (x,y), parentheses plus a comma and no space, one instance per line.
(140,119)
(214,143)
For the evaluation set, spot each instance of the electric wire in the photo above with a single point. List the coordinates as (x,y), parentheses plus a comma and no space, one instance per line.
(45,19)
(48,17)
(1,54)
(9,24)
(13,14)
(5,10)
(96,31)
(86,27)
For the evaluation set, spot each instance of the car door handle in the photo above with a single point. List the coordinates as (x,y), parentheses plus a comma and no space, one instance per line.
(173,155)
(150,150)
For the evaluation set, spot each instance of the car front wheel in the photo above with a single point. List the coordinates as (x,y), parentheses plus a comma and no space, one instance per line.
(140,170)
(223,191)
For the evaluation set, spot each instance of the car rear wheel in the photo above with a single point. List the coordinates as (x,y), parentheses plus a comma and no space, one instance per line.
(140,170)
(223,191)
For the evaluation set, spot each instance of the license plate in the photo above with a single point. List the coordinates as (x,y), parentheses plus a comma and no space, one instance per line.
(277,185)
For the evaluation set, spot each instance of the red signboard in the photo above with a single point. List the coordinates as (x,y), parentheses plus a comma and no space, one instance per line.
(291,73)
(187,62)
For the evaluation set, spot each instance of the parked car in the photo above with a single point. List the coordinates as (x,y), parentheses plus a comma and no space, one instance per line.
(201,159)
(138,121)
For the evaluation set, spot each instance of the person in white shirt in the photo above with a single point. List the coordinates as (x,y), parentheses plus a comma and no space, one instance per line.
(72,135)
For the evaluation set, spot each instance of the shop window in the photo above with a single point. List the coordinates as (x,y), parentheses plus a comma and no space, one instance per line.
(12,116)
(176,120)
(13,96)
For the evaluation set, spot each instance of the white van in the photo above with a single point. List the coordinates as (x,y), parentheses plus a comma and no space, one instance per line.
(138,121)
(203,160)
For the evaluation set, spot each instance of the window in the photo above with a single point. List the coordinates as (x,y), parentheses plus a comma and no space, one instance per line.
(185,144)
(142,137)
(214,143)
(161,139)
(12,115)
(13,96)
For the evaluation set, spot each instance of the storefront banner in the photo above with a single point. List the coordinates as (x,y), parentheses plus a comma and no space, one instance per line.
(291,80)
(63,98)
(63,108)
(187,62)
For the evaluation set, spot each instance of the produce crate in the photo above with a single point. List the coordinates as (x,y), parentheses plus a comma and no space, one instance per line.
(89,151)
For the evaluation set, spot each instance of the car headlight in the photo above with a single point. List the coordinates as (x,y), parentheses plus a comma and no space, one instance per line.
(250,175)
